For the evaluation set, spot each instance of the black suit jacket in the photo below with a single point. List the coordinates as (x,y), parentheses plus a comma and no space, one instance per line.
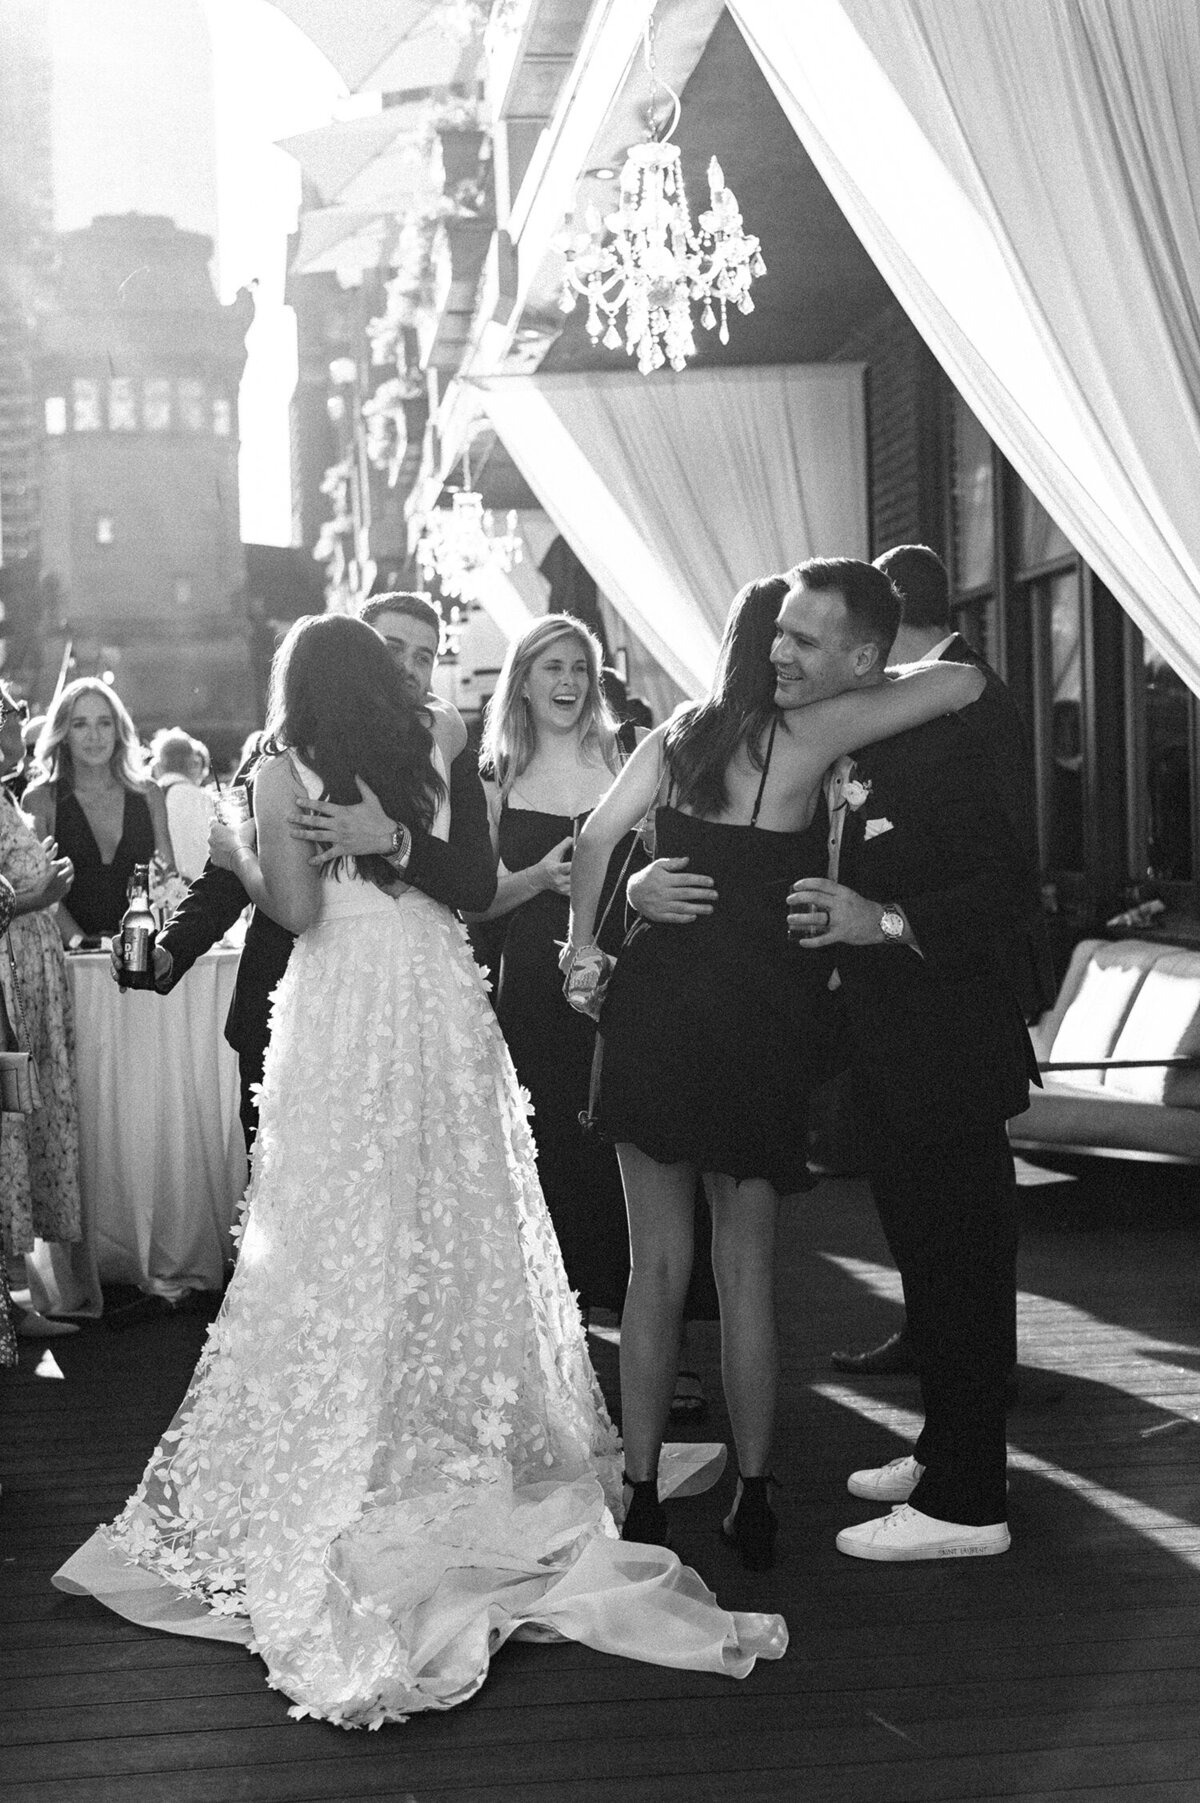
(938,1040)
(995,718)
(460,872)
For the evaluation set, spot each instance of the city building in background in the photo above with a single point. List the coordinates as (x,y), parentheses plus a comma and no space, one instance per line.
(120,542)
(26,260)
(138,367)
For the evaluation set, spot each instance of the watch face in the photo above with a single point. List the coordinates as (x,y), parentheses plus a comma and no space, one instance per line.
(891,924)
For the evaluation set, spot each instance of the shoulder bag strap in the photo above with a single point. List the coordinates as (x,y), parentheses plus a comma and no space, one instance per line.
(14,1043)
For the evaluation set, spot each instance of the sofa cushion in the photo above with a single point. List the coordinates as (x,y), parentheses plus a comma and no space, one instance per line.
(1163,1022)
(1083,1119)
(1107,979)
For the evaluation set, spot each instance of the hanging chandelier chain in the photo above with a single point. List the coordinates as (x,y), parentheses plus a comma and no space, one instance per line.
(657,86)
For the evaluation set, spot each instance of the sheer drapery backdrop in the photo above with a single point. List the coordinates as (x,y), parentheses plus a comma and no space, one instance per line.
(1024,176)
(676,491)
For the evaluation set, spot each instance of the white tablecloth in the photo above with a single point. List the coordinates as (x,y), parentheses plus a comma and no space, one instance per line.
(162,1160)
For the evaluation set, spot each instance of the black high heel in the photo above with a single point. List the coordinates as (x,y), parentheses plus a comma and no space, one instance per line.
(751,1526)
(645,1518)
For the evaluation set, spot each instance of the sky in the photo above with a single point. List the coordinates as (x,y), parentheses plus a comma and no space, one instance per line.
(269,82)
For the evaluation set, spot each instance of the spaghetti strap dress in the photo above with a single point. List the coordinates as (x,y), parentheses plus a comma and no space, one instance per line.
(552,1048)
(715,1033)
(99,893)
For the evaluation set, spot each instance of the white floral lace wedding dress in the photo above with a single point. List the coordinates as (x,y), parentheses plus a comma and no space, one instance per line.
(394,1453)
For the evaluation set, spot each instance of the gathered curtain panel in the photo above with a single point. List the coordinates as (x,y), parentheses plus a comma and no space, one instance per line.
(676,491)
(1026,177)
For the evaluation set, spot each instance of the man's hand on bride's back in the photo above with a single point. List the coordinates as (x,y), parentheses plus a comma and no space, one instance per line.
(350,829)
(670,894)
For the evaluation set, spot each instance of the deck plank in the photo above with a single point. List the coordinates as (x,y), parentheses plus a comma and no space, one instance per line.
(1066,1670)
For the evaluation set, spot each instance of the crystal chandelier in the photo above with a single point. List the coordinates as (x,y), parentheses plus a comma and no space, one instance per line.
(459,542)
(655,263)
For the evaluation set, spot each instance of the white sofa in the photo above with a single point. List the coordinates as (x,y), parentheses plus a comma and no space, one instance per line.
(1123,1005)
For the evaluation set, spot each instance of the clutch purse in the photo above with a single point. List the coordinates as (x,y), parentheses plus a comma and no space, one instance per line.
(588,973)
(19,1090)
(19,1093)
(587,978)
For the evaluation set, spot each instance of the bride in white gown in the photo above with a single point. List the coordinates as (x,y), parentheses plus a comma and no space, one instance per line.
(394,1452)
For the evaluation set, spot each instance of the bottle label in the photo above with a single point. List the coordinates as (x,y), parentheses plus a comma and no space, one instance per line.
(136,947)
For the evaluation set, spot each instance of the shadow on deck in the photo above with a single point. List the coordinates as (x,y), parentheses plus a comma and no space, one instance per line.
(1068,1668)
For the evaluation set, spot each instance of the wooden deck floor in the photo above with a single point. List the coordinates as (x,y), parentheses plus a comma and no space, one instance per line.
(1068,1669)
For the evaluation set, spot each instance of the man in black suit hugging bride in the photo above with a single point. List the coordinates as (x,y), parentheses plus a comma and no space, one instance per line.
(932,893)
(460,873)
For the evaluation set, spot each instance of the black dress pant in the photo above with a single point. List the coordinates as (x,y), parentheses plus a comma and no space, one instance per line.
(948,1210)
(250,1073)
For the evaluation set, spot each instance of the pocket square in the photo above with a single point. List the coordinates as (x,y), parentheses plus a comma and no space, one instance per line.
(873,828)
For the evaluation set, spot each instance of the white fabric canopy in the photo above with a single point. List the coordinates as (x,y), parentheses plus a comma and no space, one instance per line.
(677,490)
(382,162)
(384,45)
(1025,176)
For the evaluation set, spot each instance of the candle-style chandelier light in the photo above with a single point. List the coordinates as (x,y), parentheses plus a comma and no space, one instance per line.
(458,542)
(654,262)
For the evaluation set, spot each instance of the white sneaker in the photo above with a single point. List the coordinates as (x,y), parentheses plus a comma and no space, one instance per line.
(908,1534)
(891,1483)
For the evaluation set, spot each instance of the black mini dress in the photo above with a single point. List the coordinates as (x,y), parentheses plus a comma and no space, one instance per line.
(715,1033)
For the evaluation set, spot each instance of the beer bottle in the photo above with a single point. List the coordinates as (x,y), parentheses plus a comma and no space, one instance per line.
(138,932)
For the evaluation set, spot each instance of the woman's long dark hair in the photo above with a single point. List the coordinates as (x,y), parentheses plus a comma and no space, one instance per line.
(700,741)
(340,703)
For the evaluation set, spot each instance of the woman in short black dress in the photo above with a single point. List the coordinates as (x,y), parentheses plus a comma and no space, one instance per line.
(714,1032)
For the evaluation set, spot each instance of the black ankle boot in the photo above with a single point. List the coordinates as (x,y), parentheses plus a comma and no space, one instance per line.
(645,1518)
(752,1526)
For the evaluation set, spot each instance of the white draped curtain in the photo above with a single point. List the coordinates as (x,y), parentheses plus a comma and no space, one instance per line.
(674,492)
(1026,175)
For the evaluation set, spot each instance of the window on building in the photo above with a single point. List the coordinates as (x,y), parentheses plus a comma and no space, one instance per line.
(122,405)
(1040,540)
(1170,760)
(222,416)
(1116,731)
(105,532)
(192,412)
(156,404)
(1058,714)
(974,503)
(85,392)
(56,415)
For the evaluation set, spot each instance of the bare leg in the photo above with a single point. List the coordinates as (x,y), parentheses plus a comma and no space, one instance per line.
(660,1201)
(744,1217)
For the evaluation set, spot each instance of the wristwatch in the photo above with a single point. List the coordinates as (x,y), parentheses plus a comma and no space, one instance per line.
(891,924)
(398,851)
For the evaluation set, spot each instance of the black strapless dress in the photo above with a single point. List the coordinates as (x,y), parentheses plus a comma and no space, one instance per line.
(99,894)
(716,1032)
(552,1049)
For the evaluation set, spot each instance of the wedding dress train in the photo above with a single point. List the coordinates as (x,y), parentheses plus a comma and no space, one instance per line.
(394,1453)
